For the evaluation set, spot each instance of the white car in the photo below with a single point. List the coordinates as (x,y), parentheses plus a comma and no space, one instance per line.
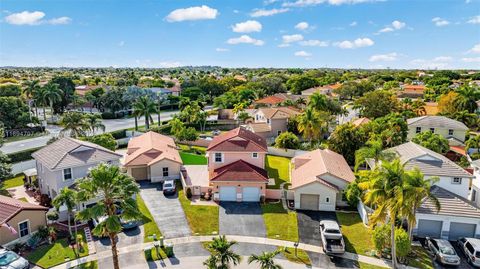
(11,260)
(332,238)
(471,248)
(169,187)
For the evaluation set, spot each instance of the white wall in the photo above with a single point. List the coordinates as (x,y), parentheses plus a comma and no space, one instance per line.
(459,189)
(317,189)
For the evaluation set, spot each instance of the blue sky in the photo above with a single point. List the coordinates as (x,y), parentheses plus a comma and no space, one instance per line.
(241,33)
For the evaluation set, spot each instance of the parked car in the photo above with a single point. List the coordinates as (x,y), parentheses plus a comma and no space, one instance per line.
(332,238)
(11,260)
(443,251)
(471,249)
(169,187)
(126,224)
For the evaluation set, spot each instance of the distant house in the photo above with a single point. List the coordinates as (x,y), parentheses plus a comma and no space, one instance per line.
(318,180)
(326,90)
(19,220)
(82,90)
(160,91)
(236,166)
(276,100)
(412,91)
(452,130)
(271,122)
(154,157)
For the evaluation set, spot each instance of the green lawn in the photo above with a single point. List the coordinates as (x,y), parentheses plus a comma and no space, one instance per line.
(149,225)
(47,256)
(302,257)
(279,223)
(420,258)
(363,265)
(194,159)
(358,238)
(203,219)
(88,265)
(278,168)
(10,183)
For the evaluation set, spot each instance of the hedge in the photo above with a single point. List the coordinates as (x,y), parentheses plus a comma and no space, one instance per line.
(21,156)
(119,134)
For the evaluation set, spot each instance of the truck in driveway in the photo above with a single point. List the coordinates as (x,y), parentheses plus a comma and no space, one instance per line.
(332,238)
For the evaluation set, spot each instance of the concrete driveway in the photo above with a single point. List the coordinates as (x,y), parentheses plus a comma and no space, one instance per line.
(241,219)
(166,210)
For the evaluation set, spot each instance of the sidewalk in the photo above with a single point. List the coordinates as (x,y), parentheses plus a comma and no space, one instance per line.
(238,238)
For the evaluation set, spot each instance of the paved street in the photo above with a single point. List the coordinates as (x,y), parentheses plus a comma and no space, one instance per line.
(242,219)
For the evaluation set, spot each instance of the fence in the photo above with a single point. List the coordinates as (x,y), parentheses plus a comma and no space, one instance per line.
(364,212)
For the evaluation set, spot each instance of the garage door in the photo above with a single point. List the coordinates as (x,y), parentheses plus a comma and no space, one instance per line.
(309,201)
(458,230)
(228,193)
(250,194)
(140,173)
(431,228)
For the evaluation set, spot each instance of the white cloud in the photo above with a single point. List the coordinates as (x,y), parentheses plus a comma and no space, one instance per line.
(192,14)
(440,22)
(25,18)
(292,38)
(60,21)
(474,20)
(353,23)
(283,45)
(440,62)
(245,39)
(398,25)
(302,53)
(314,43)
(268,12)
(247,27)
(305,3)
(169,64)
(357,43)
(394,26)
(384,57)
(386,30)
(221,50)
(471,60)
(302,26)
(475,49)
(442,59)
(121,43)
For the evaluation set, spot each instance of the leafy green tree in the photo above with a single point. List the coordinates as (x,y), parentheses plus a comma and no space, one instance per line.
(68,198)
(432,141)
(404,244)
(113,100)
(469,119)
(373,150)
(176,126)
(193,93)
(377,104)
(447,104)
(145,107)
(94,96)
(265,260)
(298,83)
(115,190)
(74,124)
(381,237)
(5,167)
(345,140)
(467,98)
(287,140)
(14,113)
(352,193)
(10,90)
(105,140)
(221,254)
(473,143)
(67,89)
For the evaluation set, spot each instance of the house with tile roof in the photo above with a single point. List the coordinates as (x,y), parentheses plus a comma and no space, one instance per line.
(454,131)
(411,91)
(325,90)
(152,156)
(276,100)
(236,166)
(271,122)
(19,220)
(318,179)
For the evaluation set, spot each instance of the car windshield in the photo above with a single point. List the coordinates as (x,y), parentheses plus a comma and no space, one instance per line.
(168,185)
(8,257)
(332,231)
(447,251)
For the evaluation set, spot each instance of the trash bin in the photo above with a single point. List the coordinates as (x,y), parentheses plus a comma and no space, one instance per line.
(169,249)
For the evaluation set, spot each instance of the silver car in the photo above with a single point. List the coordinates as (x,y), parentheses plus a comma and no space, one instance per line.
(443,251)
(11,260)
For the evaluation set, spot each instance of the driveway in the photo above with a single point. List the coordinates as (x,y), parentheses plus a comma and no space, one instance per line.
(241,219)
(166,210)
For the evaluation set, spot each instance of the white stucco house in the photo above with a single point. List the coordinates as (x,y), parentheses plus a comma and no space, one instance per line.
(453,130)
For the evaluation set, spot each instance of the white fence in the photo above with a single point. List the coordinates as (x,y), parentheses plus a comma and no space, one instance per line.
(22,166)
(290,153)
(364,212)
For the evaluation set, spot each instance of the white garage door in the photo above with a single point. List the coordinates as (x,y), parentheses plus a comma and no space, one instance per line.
(251,194)
(309,201)
(458,230)
(228,193)
(430,228)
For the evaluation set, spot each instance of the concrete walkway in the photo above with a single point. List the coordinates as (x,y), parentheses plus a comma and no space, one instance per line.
(238,238)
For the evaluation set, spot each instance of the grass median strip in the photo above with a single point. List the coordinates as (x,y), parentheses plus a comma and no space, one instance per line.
(280,223)
(149,225)
(300,257)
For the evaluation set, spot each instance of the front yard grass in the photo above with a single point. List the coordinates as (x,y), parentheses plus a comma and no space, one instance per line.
(193,159)
(88,265)
(279,169)
(149,225)
(302,256)
(363,265)
(420,258)
(280,223)
(59,252)
(358,238)
(12,182)
(203,219)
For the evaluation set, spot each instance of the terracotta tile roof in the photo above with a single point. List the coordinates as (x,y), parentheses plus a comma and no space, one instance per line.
(279,112)
(414,88)
(10,207)
(150,148)
(259,127)
(360,121)
(310,167)
(270,100)
(239,139)
(239,171)
(459,150)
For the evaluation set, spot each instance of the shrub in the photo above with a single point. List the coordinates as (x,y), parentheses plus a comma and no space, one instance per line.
(119,134)
(402,243)
(381,238)
(42,233)
(287,140)
(105,140)
(52,215)
(21,156)
(108,115)
(189,193)
(352,193)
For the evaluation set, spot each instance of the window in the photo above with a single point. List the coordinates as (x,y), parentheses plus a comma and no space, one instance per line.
(268,121)
(450,132)
(469,247)
(457,180)
(23,228)
(327,200)
(218,157)
(165,171)
(279,132)
(418,130)
(432,130)
(474,195)
(67,174)
(255,155)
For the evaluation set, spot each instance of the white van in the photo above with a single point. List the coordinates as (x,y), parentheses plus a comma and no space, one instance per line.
(471,248)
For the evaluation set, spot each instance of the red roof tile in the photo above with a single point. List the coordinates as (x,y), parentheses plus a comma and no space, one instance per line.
(270,100)
(10,207)
(239,139)
(240,171)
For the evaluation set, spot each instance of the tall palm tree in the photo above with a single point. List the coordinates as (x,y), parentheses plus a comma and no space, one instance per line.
(116,190)
(30,88)
(52,94)
(372,150)
(308,124)
(470,119)
(385,190)
(40,98)
(473,143)
(221,254)
(74,123)
(68,198)
(145,107)
(94,121)
(265,260)
(467,98)
(318,101)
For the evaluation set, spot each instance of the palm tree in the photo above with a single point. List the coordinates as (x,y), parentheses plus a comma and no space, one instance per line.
(308,124)
(318,101)
(74,123)
(384,189)
(145,107)
(30,88)
(470,119)
(40,98)
(52,94)
(265,260)
(115,190)
(221,254)
(473,143)
(467,98)
(94,121)
(68,198)
(372,150)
